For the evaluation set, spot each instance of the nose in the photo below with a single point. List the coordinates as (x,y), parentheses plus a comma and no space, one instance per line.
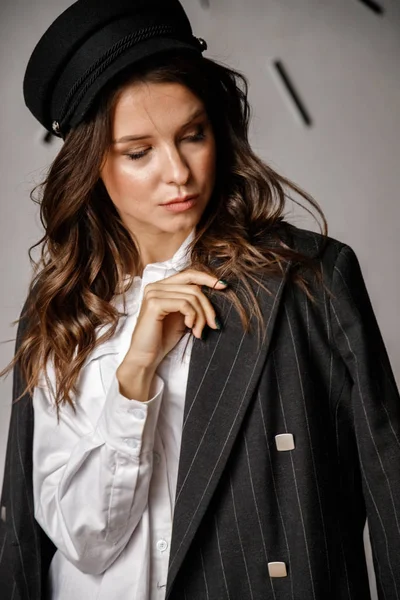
(176,169)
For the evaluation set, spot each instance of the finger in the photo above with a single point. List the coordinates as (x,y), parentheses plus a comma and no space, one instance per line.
(193,276)
(193,290)
(188,306)
(200,319)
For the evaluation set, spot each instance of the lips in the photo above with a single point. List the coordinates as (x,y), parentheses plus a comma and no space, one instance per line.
(182,205)
(180,200)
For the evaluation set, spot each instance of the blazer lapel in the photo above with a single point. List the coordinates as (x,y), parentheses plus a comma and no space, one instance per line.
(223,374)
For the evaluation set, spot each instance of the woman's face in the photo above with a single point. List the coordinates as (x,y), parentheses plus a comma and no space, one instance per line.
(163,148)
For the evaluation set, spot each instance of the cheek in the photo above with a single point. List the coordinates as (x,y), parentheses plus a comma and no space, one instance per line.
(209,164)
(124,182)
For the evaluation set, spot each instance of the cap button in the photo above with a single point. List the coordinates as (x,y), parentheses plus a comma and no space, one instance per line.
(202,43)
(56,127)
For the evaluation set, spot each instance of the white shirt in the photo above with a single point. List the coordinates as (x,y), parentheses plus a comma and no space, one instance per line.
(105,476)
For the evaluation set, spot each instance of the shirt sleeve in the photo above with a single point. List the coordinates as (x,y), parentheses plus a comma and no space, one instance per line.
(373,409)
(91,482)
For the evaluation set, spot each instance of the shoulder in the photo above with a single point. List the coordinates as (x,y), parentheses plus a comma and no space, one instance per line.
(310,243)
(326,250)
(330,265)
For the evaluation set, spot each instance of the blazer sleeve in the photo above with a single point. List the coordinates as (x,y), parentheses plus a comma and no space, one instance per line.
(375,413)
(25,552)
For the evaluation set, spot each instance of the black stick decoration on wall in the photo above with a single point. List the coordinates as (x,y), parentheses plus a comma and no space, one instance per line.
(374,6)
(293,93)
(48,137)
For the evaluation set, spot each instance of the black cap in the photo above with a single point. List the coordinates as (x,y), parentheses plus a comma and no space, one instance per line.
(90,43)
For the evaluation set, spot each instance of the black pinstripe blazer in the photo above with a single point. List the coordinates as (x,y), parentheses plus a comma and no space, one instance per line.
(253,521)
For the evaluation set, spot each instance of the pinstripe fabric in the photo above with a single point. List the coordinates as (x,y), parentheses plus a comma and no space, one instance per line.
(25,545)
(322,374)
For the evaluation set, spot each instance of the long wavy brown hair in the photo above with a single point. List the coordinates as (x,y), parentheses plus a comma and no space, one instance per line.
(86,251)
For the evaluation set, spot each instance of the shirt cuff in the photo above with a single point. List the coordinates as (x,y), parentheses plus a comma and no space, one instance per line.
(129,425)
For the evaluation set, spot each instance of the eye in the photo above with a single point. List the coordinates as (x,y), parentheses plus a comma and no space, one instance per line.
(137,155)
(198,136)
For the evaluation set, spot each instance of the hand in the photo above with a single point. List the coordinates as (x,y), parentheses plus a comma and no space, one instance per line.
(168,307)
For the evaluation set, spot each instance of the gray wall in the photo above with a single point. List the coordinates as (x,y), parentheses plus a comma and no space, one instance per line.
(342,58)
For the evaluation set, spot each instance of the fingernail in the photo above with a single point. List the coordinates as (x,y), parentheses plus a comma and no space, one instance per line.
(218,323)
(223,282)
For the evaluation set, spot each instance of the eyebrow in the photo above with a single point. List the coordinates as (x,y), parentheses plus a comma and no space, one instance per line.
(132,138)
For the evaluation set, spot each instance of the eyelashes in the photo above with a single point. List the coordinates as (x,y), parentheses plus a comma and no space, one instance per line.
(199,136)
(137,155)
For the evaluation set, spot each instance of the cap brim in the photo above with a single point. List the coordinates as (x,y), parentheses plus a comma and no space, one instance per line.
(132,56)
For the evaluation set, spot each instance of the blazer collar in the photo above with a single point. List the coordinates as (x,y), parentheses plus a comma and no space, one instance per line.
(223,375)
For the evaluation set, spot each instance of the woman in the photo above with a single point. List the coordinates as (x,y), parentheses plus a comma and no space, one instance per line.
(214,409)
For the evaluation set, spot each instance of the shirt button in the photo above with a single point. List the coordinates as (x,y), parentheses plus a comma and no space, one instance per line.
(157,458)
(162,545)
(131,442)
(138,413)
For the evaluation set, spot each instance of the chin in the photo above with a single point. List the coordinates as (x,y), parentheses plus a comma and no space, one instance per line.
(181,225)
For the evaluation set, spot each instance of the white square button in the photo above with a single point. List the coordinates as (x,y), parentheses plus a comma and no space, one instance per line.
(284,442)
(277,569)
